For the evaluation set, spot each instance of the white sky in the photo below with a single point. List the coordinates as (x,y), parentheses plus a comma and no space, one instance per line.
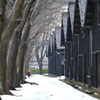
(48,89)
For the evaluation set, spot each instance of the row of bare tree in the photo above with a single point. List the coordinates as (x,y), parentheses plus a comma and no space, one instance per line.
(25,25)
(16,17)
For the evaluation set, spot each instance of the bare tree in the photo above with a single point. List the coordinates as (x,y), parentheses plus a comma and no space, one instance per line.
(40,51)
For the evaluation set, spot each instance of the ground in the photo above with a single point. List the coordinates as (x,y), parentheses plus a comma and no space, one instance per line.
(46,88)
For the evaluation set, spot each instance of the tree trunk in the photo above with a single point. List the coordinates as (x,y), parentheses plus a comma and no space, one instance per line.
(16,82)
(21,52)
(11,59)
(2,15)
(40,67)
(40,58)
(20,66)
(3,50)
(4,42)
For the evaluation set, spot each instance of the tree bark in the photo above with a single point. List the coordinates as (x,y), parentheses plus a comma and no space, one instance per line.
(40,67)
(2,15)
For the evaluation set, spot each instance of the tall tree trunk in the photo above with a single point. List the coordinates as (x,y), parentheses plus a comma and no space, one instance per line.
(11,59)
(21,52)
(2,16)
(39,60)
(4,42)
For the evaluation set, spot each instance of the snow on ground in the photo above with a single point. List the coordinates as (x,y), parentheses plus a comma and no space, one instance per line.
(48,89)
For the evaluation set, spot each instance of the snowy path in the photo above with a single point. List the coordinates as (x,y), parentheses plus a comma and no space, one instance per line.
(48,89)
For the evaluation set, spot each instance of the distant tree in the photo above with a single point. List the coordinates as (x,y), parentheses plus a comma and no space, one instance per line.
(40,51)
